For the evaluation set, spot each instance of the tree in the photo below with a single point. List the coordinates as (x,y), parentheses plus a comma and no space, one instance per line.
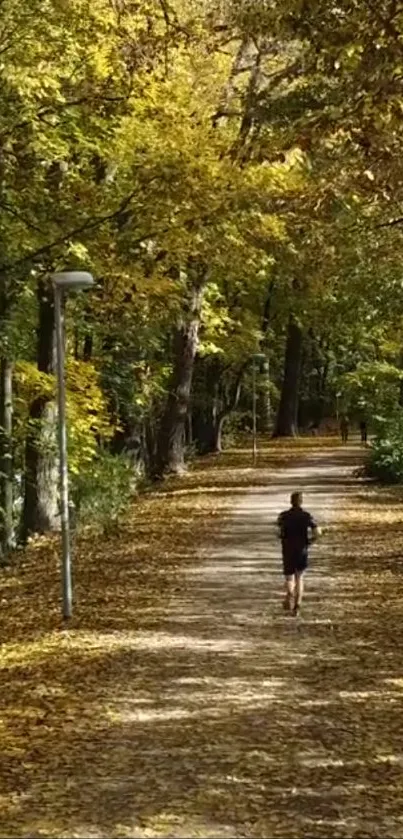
(40,512)
(225,172)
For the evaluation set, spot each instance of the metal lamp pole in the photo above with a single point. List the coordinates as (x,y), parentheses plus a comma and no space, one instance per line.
(62,282)
(64,478)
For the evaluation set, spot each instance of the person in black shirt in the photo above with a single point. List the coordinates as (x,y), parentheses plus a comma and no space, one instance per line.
(297,529)
(344,429)
(363,431)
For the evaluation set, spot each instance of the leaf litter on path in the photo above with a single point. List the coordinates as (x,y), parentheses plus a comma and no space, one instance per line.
(180,701)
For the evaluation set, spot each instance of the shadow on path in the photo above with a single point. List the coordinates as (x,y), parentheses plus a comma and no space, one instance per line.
(218,716)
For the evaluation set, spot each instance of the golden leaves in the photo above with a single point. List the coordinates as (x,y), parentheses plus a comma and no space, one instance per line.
(180,701)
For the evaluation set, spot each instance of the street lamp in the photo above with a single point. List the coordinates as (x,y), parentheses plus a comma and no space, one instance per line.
(257,357)
(64,282)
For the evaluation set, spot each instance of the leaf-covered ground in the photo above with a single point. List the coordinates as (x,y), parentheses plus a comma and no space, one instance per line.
(181,701)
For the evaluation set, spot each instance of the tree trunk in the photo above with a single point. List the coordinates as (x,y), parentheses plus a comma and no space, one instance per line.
(203,431)
(264,406)
(171,437)
(218,430)
(264,417)
(230,406)
(287,422)
(209,424)
(209,433)
(87,354)
(6,423)
(6,409)
(76,345)
(40,513)
(400,362)
(150,444)
(189,429)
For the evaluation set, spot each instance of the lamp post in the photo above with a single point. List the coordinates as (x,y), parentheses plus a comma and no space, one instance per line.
(256,358)
(62,283)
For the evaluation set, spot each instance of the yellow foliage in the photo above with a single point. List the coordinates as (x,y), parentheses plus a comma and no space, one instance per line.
(31,383)
(87,410)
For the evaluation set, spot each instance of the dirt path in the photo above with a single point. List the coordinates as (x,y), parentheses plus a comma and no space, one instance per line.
(236,720)
(267,725)
(262,749)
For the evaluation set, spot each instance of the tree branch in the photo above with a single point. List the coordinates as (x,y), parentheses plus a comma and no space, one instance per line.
(61,240)
(59,108)
(6,207)
(392,223)
(228,90)
(232,402)
(390,28)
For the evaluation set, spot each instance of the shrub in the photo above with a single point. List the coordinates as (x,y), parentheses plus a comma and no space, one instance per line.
(385,462)
(103,490)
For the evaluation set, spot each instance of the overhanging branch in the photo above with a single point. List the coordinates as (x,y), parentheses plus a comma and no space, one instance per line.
(63,239)
(392,223)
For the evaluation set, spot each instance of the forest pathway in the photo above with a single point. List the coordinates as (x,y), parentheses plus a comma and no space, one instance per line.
(233,719)
(269,725)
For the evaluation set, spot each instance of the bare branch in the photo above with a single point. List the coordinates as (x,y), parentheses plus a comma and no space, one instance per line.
(63,239)
(392,223)
(12,212)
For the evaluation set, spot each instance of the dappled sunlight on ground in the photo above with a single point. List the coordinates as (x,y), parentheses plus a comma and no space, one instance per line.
(182,701)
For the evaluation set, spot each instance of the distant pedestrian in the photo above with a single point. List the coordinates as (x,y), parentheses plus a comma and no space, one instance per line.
(297,529)
(363,431)
(344,428)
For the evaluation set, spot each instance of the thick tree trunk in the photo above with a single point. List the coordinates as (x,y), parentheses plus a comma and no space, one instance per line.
(6,461)
(171,437)
(40,513)
(287,417)
(205,407)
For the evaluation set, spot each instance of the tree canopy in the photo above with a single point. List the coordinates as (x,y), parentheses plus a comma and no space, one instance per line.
(230,174)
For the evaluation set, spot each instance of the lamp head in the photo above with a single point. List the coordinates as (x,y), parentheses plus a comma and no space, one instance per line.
(73,280)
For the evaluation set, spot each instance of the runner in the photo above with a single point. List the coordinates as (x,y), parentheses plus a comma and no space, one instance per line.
(297,529)
(344,428)
(363,431)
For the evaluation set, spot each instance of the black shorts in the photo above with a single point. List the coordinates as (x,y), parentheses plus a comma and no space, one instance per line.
(294,561)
